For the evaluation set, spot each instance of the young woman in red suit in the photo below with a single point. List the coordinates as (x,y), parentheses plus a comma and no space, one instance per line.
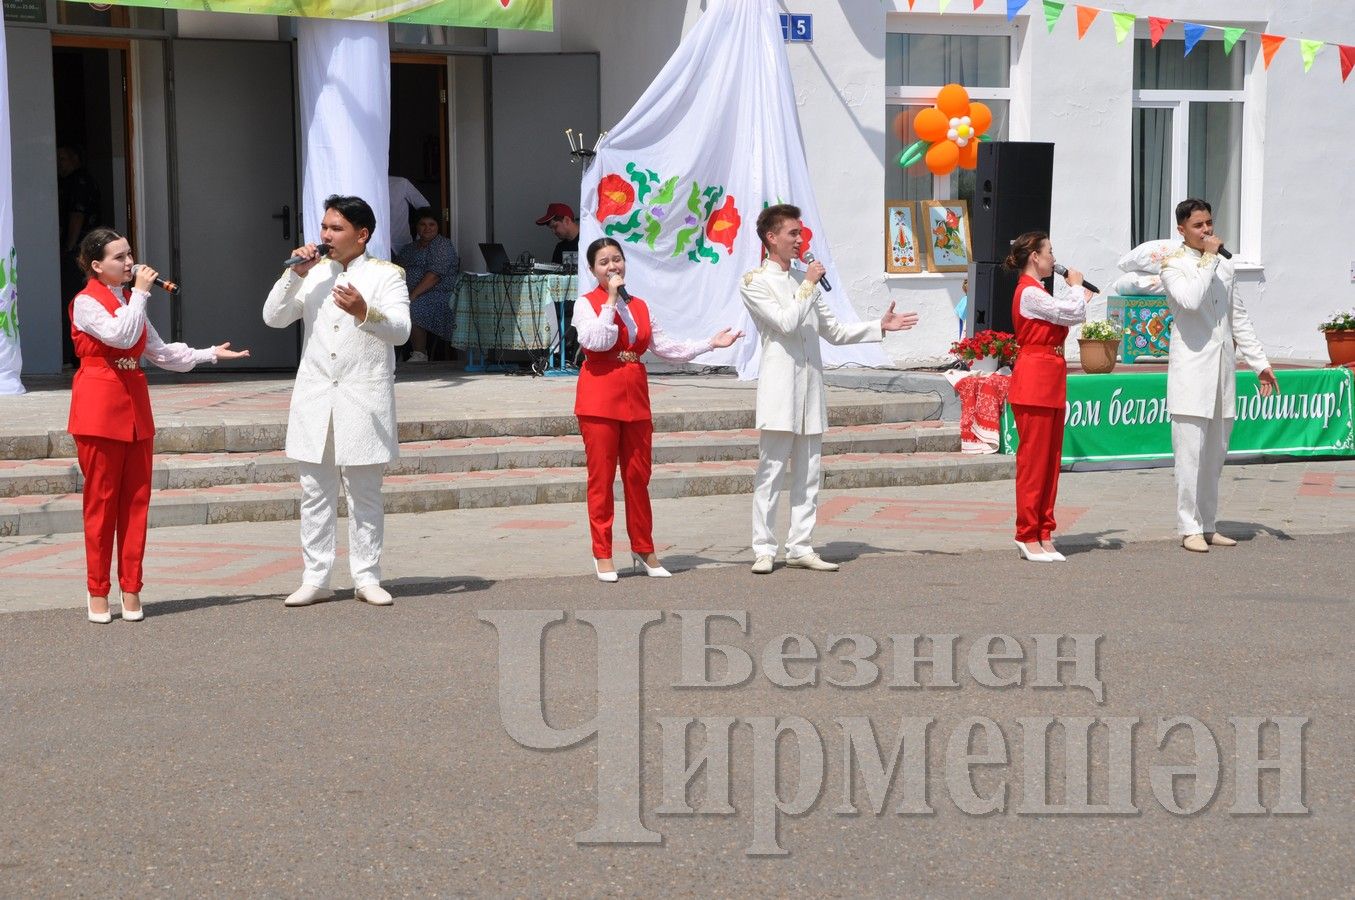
(1039,388)
(110,415)
(615,329)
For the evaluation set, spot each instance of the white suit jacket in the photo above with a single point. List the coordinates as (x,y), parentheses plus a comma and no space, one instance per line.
(347,370)
(790,318)
(1209,326)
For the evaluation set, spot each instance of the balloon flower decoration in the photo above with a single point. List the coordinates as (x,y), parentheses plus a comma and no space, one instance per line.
(948,133)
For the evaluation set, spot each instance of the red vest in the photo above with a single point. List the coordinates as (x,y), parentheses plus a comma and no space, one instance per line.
(1040,377)
(107,401)
(610,387)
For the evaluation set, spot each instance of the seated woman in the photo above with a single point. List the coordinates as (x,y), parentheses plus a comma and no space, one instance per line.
(612,404)
(431,267)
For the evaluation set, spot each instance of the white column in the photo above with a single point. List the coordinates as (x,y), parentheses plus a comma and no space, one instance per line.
(11,359)
(345,119)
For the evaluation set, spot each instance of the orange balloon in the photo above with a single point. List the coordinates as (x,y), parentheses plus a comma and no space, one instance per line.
(953,101)
(969,154)
(931,125)
(980,116)
(901,127)
(941,159)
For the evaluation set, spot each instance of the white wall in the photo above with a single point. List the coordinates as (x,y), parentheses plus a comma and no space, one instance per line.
(1073,93)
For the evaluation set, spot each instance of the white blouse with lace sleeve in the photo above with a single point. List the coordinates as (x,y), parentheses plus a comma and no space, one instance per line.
(1066,306)
(123,329)
(598,333)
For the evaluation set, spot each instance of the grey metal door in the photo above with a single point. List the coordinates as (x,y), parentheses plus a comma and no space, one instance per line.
(235,191)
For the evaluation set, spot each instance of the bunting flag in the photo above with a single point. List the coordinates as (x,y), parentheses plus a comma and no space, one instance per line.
(1052,10)
(978,3)
(1157,26)
(941,5)
(1014,7)
(1230,36)
(1347,61)
(1193,34)
(1086,15)
(1269,44)
(1124,23)
(1310,49)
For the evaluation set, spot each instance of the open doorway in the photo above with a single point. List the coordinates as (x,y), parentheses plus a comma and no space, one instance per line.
(92,86)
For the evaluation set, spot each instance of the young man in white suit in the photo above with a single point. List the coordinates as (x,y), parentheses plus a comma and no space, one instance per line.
(342,421)
(1209,327)
(792,413)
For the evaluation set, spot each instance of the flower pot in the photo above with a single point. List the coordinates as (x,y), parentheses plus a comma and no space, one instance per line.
(987,364)
(1098,357)
(1341,347)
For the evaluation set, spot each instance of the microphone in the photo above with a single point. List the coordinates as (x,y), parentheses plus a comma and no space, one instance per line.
(322,249)
(809,258)
(1062,270)
(621,292)
(1223,251)
(169,286)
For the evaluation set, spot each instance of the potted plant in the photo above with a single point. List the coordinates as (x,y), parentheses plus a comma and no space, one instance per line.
(986,351)
(1099,344)
(1340,332)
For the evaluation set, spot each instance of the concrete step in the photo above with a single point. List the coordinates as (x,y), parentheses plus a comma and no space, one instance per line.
(61,513)
(202,470)
(238,434)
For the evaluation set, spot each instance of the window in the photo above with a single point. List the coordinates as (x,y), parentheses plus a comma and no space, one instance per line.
(916,67)
(1187,135)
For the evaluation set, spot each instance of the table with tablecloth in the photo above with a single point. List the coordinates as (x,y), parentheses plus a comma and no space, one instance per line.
(508,312)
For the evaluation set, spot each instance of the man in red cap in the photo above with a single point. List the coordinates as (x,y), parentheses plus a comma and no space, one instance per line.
(559,218)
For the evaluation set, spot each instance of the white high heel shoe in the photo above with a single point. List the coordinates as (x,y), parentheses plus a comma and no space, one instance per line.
(605,577)
(1054,555)
(135,615)
(656,572)
(102,618)
(1033,557)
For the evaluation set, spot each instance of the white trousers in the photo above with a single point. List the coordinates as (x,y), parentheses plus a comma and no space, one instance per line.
(1200,446)
(780,453)
(320,514)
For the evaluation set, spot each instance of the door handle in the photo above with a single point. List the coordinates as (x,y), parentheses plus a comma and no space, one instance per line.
(286,217)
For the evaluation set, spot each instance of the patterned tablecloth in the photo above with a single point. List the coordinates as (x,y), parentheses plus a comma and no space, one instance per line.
(509,312)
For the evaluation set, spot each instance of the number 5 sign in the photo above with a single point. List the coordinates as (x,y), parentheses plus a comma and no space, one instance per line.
(797,28)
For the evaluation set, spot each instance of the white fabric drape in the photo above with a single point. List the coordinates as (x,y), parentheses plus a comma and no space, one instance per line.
(720,115)
(11,358)
(345,127)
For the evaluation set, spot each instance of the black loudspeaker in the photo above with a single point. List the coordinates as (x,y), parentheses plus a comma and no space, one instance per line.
(990,294)
(1013,185)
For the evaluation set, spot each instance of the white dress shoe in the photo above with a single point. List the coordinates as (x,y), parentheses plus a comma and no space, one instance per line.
(763,565)
(132,615)
(102,618)
(811,561)
(306,595)
(604,577)
(656,572)
(1032,555)
(374,594)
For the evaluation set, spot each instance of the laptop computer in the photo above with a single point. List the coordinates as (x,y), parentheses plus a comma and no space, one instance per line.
(496,259)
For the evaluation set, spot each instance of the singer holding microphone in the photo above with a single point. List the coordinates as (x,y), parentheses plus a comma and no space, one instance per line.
(1210,326)
(612,403)
(110,417)
(1039,387)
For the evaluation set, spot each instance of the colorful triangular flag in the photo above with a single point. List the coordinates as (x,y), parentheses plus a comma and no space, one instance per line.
(978,3)
(1310,49)
(1086,15)
(1230,36)
(1347,61)
(941,5)
(1193,34)
(910,4)
(1269,44)
(1014,7)
(1124,23)
(1156,26)
(1052,10)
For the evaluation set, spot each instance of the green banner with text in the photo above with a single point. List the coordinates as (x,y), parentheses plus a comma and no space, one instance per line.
(529,15)
(1124,417)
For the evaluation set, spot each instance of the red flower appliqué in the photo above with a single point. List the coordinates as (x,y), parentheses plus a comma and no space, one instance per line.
(616,196)
(723,225)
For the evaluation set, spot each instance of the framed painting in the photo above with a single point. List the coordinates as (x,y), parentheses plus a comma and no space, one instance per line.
(902,253)
(947,235)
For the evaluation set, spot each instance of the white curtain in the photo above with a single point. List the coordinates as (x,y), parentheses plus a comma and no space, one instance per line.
(345,110)
(716,132)
(11,359)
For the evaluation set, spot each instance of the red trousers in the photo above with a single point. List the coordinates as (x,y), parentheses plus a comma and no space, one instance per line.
(1038,454)
(117,496)
(607,443)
